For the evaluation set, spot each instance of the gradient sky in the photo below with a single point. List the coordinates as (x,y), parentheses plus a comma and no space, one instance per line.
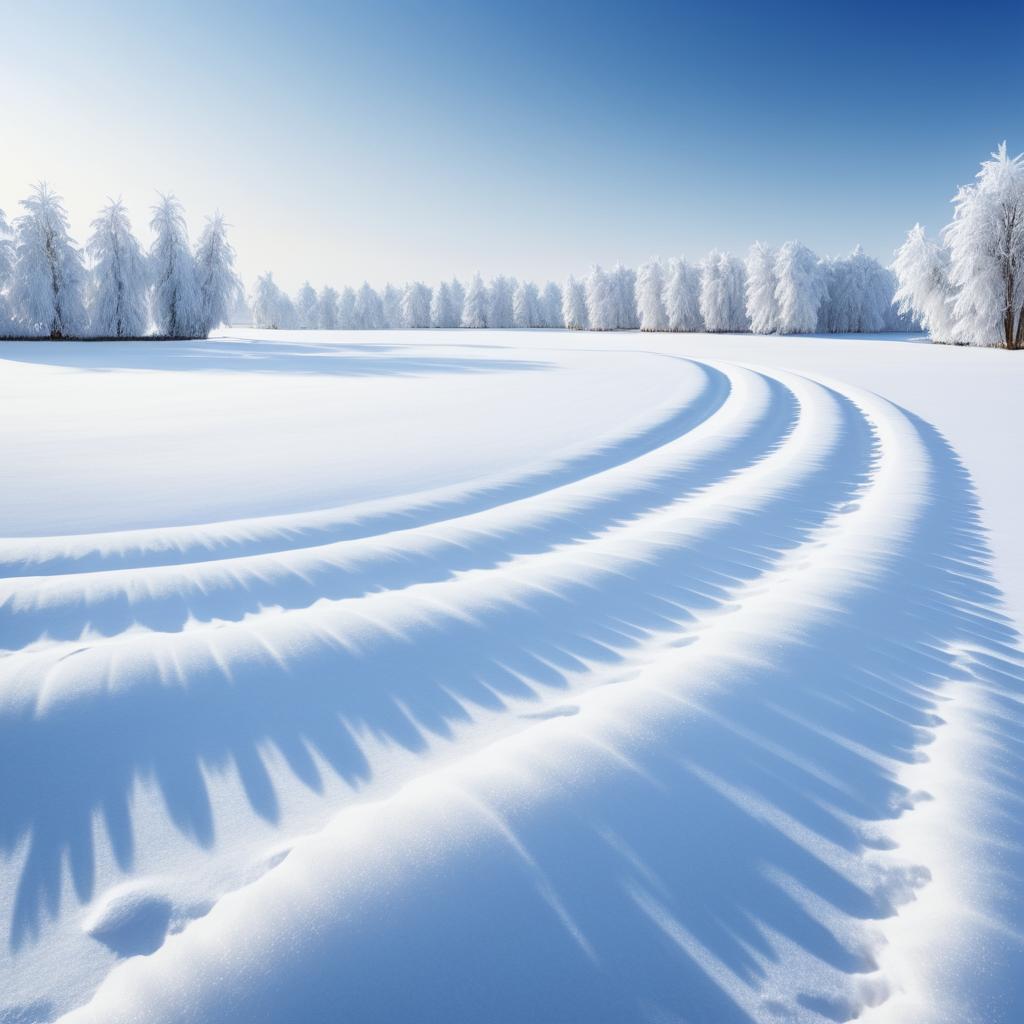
(399,140)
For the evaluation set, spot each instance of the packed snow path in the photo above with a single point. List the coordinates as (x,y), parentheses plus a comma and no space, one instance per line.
(629,684)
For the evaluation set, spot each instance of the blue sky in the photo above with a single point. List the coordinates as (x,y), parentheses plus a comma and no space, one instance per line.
(394,140)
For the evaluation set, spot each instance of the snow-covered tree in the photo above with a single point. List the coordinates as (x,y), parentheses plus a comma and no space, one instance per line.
(723,303)
(347,309)
(500,293)
(120,299)
(682,297)
(215,274)
(177,304)
(859,295)
(924,290)
(416,305)
(307,306)
(551,305)
(623,282)
(800,289)
(762,305)
(650,296)
(241,311)
(327,309)
(526,305)
(391,304)
(268,306)
(458,299)
(368,312)
(602,301)
(442,313)
(986,254)
(48,288)
(7,326)
(477,304)
(574,305)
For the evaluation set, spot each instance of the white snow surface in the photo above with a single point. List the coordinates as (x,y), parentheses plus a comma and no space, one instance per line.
(511,676)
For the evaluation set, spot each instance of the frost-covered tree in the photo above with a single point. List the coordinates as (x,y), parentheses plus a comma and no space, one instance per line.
(650,296)
(48,288)
(526,305)
(442,313)
(682,297)
(241,311)
(120,282)
(762,305)
(477,304)
(416,305)
(268,305)
(391,303)
(347,309)
(500,293)
(859,295)
(458,299)
(723,302)
(574,305)
(623,282)
(327,309)
(7,326)
(215,274)
(800,289)
(177,304)
(602,301)
(551,305)
(986,254)
(307,306)
(924,290)
(368,312)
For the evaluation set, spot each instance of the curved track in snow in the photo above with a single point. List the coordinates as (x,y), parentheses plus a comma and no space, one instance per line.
(626,737)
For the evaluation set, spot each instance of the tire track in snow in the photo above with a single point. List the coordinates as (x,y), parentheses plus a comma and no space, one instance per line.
(708,836)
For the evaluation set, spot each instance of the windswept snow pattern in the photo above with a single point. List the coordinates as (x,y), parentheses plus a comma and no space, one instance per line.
(716,718)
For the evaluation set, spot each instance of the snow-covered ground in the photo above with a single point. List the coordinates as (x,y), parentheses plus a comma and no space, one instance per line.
(511,677)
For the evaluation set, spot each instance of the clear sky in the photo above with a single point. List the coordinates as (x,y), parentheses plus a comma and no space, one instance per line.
(398,140)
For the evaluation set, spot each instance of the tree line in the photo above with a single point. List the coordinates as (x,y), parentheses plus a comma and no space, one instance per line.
(784,291)
(51,288)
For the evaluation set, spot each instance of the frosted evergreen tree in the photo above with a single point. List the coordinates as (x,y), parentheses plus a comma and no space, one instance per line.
(307,306)
(602,301)
(574,305)
(800,289)
(268,309)
(177,304)
(327,309)
(368,312)
(347,309)
(924,291)
(986,254)
(391,301)
(500,293)
(624,287)
(48,287)
(441,312)
(215,274)
(477,304)
(682,297)
(526,305)
(416,305)
(762,305)
(120,299)
(650,296)
(723,301)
